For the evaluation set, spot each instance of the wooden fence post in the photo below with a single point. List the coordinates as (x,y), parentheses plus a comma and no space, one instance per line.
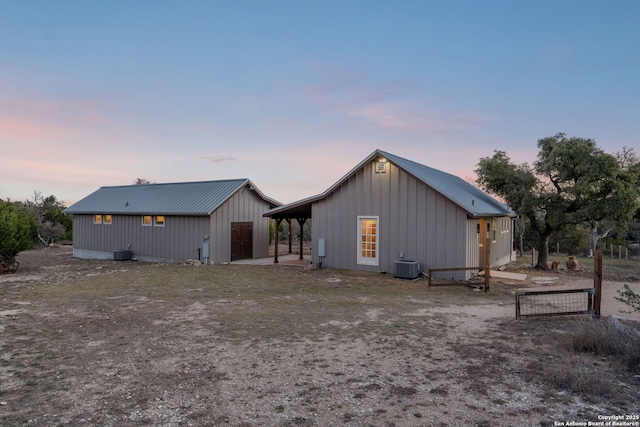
(597,282)
(487,261)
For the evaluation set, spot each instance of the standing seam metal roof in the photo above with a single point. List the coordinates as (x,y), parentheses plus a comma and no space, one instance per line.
(468,197)
(184,198)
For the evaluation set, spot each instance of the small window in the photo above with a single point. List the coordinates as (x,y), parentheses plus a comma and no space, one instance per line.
(106,219)
(97,219)
(159,221)
(146,220)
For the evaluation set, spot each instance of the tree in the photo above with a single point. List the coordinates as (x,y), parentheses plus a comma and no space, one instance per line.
(630,163)
(52,223)
(17,232)
(571,182)
(141,181)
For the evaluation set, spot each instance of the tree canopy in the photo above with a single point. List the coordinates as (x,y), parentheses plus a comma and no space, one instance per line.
(571,182)
(52,223)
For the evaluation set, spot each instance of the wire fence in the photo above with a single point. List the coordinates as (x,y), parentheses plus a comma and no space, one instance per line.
(555,302)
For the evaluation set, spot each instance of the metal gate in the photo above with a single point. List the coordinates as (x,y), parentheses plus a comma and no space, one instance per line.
(555,302)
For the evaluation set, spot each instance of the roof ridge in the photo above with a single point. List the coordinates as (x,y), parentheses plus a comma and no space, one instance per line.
(176,183)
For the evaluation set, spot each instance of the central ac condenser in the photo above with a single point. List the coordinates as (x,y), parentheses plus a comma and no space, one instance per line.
(406,269)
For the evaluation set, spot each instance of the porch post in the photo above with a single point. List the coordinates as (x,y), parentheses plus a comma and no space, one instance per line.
(275,258)
(301,221)
(289,222)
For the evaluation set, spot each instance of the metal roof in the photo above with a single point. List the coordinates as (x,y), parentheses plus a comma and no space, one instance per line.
(182,198)
(473,200)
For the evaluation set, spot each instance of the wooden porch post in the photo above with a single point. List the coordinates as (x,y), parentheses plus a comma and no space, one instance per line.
(301,221)
(290,238)
(275,258)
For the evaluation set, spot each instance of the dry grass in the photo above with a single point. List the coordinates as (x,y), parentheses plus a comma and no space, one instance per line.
(592,358)
(123,344)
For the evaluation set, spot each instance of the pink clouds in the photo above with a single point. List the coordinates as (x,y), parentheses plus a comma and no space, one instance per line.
(218,159)
(19,130)
(392,105)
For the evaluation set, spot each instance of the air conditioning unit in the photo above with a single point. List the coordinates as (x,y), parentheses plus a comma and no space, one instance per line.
(404,269)
(121,255)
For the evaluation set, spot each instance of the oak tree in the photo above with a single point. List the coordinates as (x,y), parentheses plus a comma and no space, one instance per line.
(571,182)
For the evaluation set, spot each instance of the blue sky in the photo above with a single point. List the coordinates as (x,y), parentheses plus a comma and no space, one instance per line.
(293,94)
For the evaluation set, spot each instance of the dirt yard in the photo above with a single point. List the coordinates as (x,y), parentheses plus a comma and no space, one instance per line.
(101,343)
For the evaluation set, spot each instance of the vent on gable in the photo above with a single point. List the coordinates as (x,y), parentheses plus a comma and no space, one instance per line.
(381,166)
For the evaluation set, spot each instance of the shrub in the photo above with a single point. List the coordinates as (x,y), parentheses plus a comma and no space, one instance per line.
(629,297)
(607,337)
(17,232)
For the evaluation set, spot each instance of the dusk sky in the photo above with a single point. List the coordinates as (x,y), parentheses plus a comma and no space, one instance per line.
(293,94)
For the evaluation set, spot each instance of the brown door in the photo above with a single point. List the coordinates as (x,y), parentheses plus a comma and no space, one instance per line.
(241,240)
(484,241)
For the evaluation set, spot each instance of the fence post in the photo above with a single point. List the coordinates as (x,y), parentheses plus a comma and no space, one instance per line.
(487,261)
(597,282)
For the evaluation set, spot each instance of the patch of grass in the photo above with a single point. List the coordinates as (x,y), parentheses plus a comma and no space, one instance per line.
(585,357)
(574,372)
(606,337)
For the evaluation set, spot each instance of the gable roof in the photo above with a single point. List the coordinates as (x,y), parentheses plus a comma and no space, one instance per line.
(182,198)
(474,201)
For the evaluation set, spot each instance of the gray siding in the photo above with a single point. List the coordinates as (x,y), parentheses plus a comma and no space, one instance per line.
(177,241)
(413,219)
(243,206)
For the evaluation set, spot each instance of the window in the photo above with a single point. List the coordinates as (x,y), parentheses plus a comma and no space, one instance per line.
(494,230)
(106,219)
(146,220)
(97,219)
(159,221)
(368,240)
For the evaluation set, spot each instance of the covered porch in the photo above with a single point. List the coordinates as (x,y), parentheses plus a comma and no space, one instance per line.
(301,213)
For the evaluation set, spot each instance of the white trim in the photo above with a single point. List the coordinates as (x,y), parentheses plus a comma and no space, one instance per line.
(150,220)
(361,259)
(159,224)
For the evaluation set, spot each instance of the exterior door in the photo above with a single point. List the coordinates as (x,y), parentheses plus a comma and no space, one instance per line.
(241,240)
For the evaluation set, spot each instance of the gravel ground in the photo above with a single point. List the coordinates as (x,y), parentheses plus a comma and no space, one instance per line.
(127,344)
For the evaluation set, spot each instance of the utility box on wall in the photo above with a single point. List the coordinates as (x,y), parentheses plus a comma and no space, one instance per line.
(406,269)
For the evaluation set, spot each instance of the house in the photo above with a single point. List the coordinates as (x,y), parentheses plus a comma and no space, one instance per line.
(214,221)
(388,213)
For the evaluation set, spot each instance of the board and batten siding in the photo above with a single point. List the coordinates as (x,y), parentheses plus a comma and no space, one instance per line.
(244,206)
(413,219)
(176,241)
(501,248)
